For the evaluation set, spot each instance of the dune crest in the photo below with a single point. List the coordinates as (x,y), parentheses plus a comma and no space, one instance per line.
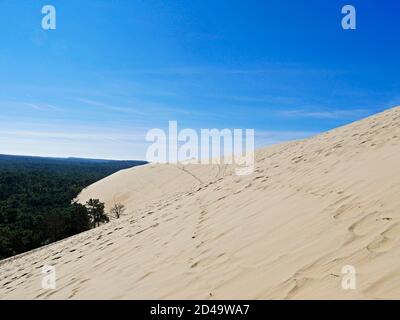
(201,232)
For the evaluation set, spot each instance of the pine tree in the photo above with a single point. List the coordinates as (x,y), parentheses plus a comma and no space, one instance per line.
(96,212)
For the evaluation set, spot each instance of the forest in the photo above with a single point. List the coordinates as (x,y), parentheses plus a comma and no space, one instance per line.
(36,199)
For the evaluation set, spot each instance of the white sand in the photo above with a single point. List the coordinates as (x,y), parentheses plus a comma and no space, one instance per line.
(283,232)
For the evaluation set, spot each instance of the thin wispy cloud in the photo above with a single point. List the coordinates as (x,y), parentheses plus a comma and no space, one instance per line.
(60,135)
(92,143)
(325,114)
(125,109)
(42,106)
(152,109)
(266,138)
(206,70)
(276,99)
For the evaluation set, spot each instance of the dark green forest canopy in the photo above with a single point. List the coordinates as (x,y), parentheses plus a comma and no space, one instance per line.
(36,198)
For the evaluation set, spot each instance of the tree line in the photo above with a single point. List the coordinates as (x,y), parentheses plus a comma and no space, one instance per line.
(37,200)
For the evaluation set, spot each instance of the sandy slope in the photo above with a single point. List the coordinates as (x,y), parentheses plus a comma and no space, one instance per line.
(284,231)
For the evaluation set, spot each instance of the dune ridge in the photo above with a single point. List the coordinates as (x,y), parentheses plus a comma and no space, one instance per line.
(201,232)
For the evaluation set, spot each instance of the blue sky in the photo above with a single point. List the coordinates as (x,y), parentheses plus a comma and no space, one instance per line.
(114,69)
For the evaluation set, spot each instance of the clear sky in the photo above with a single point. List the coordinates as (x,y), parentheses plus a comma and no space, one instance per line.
(114,69)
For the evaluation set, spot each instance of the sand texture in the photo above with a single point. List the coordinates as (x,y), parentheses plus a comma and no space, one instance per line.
(201,232)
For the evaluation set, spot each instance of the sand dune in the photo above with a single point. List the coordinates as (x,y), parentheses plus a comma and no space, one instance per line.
(283,232)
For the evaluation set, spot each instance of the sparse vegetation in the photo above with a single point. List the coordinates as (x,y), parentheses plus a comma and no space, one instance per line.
(117,210)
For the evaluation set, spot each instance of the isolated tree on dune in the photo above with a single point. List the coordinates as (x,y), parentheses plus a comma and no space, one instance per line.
(117,210)
(96,212)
